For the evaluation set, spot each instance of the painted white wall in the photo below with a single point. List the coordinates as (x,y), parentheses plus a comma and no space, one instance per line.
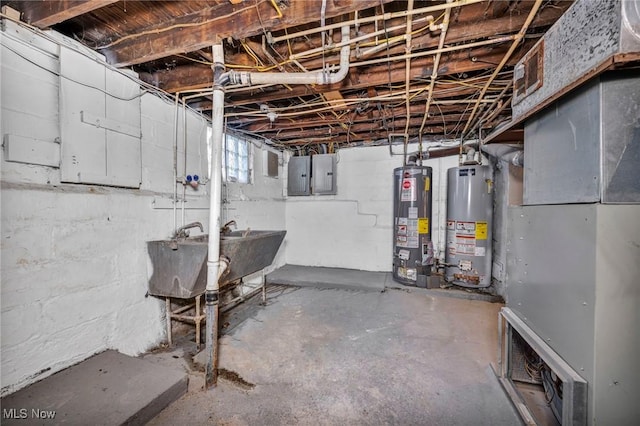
(259,205)
(74,260)
(353,229)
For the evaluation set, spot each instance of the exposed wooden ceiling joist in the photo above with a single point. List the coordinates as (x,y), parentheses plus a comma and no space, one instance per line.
(191,76)
(168,43)
(43,14)
(226,20)
(188,77)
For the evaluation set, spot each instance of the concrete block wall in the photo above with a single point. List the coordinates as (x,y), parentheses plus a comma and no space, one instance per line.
(74,259)
(353,229)
(259,205)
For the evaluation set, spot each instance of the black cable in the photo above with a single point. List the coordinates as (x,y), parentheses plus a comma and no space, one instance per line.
(70,79)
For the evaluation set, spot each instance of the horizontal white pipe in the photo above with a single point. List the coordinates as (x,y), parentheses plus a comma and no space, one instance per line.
(314,77)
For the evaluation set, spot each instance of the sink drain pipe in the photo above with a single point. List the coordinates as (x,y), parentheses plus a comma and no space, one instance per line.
(215,265)
(212,292)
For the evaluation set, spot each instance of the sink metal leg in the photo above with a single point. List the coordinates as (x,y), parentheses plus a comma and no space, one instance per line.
(167,302)
(198,318)
(264,288)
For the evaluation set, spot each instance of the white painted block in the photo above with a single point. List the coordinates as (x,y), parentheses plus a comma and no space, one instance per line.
(31,151)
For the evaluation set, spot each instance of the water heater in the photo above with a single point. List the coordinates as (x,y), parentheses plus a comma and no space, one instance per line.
(412,247)
(469,213)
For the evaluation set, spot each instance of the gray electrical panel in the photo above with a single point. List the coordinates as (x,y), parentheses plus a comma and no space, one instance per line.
(299,171)
(272,164)
(324,174)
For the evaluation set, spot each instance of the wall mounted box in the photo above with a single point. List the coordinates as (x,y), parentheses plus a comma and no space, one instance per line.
(299,176)
(323,174)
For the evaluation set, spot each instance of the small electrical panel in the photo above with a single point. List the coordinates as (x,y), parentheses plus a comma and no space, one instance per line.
(323,174)
(312,175)
(299,174)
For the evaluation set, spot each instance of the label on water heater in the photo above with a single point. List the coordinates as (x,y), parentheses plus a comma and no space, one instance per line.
(465,238)
(481,231)
(404,254)
(407,233)
(412,274)
(408,190)
(423,225)
(465,265)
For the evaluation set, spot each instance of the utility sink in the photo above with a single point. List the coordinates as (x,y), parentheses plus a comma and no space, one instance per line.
(182,272)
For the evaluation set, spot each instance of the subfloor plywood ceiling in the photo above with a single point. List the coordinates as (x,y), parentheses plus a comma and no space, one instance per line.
(418,70)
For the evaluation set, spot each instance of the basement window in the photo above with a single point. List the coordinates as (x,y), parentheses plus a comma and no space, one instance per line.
(236,159)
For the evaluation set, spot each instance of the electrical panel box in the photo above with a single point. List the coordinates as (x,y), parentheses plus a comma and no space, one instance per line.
(324,174)
(299,174)
(271,164)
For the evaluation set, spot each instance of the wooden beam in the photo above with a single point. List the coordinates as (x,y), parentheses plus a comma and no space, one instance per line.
(342,128)
(228,20)
(264,126)
(43,14)
(474,27)
(365,138)
(450,113)
(184,77)
(253,124)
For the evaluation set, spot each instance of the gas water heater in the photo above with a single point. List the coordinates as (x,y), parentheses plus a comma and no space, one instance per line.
(412,247)
(469,214)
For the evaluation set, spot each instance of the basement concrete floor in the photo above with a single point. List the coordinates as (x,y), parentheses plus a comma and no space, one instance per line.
(340,357)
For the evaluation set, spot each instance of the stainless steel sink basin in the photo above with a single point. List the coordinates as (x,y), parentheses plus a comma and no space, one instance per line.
(182,272)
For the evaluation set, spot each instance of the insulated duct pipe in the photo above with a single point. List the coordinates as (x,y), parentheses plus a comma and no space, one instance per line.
(508,153)
(314,77)
(214,267)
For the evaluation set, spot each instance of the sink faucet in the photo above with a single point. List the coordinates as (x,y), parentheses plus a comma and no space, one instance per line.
(182,231)
(226,228)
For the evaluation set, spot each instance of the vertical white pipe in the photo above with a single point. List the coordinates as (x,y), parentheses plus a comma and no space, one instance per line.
(213,260)
(184,149)
(175,164)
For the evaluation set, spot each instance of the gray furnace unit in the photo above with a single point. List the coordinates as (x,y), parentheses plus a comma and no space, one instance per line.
(469,213)
(412,246)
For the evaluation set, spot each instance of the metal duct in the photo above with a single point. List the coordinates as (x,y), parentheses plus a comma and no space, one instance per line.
(513,154)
